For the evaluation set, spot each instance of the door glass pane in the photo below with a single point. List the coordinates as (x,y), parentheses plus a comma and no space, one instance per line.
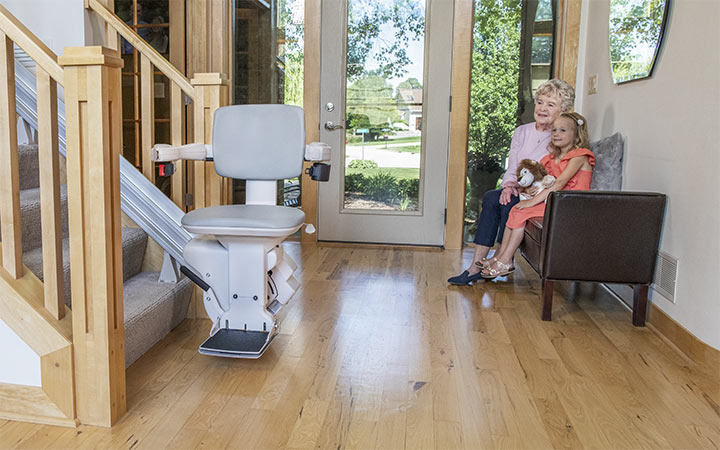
(384,104)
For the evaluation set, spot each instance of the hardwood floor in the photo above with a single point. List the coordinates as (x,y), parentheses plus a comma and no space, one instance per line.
(376,351)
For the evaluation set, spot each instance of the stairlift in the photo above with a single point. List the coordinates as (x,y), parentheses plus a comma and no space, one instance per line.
(235,255)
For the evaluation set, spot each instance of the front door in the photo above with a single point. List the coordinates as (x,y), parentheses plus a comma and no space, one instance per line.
(385,110)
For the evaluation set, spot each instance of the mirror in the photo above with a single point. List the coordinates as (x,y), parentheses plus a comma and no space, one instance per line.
(636,32)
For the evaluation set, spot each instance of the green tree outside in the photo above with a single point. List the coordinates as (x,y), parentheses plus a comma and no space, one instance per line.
(493,94)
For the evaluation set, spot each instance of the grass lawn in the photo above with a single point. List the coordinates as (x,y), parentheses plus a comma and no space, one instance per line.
(401,173)
(357,140)
(408,149)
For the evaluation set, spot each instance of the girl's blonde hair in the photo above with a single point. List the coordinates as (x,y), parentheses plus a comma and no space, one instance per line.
(582,139)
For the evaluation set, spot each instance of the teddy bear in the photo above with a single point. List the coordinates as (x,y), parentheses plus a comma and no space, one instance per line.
(532,173)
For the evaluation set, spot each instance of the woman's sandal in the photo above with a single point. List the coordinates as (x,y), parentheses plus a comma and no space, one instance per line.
(500,270)
(485,263)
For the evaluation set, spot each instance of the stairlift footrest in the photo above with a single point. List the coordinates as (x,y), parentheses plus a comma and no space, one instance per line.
(237,343)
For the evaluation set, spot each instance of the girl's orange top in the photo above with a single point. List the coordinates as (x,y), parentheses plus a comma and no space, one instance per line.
(579,182)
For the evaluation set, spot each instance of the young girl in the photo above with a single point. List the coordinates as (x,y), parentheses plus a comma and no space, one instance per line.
(571,163)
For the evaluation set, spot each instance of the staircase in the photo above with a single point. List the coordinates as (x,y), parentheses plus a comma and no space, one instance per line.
(151,308)
(62,229)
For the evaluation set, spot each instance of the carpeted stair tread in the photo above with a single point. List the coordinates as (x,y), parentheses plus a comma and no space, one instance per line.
(29,168)
(152,310)
(134,241)
(30,221)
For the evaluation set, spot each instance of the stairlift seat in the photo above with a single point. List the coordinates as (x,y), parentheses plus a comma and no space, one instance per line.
(244,220)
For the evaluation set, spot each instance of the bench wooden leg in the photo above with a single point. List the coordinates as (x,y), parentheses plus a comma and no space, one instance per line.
(640,297)
(547,294)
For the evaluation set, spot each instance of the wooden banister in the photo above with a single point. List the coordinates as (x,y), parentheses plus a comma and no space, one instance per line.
(9,171)
(212,93)
(147,116)
(34,47)
(143,47)
(176,138)
(94,121)
(49,161)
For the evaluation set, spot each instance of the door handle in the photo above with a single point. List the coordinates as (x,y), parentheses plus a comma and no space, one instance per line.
(331,126)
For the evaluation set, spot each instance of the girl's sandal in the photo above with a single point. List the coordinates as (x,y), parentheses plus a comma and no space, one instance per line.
(500,270)
(484,263)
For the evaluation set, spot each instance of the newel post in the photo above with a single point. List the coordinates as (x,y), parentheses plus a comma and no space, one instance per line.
(93,129)
(211,92)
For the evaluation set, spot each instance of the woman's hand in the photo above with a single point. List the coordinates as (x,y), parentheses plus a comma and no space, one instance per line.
(508,191)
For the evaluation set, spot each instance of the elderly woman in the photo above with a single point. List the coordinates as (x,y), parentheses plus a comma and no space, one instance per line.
(529,141)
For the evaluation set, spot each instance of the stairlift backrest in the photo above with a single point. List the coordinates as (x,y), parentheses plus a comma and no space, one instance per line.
(259,142)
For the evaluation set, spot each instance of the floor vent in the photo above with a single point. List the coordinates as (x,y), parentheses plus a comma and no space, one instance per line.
(666,276)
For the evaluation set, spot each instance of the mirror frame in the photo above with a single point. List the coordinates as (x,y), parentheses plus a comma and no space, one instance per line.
(658,47)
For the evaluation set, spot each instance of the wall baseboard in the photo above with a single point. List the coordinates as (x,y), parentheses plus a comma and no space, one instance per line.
(695,349)
(674,333)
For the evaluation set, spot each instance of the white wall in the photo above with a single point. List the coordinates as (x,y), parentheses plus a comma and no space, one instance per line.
(58,23)
(671,123)
(19,364)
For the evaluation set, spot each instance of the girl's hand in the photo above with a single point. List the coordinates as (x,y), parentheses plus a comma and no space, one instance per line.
(523,204)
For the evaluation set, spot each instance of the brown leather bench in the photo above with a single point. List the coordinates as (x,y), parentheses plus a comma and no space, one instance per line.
(597,236)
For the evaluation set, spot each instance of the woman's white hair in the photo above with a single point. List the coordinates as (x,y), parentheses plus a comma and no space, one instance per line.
(559,88)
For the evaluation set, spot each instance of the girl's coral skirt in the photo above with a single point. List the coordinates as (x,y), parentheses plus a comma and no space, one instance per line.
(518,217)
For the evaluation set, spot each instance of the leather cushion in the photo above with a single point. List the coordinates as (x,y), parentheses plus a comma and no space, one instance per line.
(245,216)
(533,229)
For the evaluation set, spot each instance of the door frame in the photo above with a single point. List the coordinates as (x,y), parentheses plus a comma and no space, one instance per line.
(568,38)
(462,58)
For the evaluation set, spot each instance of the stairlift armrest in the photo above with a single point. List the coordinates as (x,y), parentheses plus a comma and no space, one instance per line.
(167,153)
(316,152)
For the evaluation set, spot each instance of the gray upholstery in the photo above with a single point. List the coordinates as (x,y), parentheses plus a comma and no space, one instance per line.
(607,175)
(244,149)
(245,216)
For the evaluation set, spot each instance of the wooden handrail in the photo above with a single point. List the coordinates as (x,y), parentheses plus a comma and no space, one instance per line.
(143,47)
(34,47)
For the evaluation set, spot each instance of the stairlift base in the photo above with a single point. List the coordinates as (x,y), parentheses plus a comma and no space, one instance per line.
(246,282)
